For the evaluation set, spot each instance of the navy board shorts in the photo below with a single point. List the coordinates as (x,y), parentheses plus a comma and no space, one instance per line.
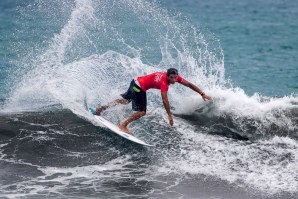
(137,96)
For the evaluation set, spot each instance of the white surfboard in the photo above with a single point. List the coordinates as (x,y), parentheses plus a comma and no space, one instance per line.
(116,130)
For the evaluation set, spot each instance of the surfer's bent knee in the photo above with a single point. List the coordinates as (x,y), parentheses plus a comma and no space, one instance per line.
(142,113)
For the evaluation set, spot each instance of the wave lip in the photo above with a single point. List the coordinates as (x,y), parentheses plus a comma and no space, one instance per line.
(252,117)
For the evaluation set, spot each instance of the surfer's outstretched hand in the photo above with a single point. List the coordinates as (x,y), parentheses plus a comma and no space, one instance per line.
(206,97)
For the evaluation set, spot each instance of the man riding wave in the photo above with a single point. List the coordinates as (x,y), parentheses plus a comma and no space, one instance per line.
(136,94)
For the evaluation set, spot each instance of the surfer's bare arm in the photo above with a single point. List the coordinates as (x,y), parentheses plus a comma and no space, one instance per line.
(196,89)
(166,104)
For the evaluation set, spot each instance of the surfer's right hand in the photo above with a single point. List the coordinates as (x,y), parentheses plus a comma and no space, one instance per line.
(171,119)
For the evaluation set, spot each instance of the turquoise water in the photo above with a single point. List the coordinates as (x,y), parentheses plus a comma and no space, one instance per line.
(258,38)
(57,55)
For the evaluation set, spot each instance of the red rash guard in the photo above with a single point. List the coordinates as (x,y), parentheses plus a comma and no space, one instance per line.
(157,80)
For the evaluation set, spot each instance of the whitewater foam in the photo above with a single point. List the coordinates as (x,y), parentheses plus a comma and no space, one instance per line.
(96,54)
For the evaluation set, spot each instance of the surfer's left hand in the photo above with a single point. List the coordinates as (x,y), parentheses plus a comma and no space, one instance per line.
(206,97)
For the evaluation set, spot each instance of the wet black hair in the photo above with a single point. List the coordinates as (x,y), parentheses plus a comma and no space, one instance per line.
(171,71)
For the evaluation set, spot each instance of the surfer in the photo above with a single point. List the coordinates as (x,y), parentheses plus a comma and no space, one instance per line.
(136,94)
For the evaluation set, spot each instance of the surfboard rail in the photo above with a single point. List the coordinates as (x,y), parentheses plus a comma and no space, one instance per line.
(116,129)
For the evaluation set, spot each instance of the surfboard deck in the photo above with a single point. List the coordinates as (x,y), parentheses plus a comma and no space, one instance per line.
(116,129)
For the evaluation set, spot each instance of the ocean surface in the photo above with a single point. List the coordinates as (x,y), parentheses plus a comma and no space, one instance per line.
(56,55)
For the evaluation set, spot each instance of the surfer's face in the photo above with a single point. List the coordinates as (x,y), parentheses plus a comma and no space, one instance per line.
(172,78)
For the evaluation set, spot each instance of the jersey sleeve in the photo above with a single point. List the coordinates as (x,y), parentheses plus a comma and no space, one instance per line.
(164,87)
(179,79)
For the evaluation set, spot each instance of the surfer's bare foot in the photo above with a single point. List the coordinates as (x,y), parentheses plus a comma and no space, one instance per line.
(99,109)
(123,128)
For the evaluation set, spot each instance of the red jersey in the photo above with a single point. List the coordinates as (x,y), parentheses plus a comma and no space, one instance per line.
(156,80)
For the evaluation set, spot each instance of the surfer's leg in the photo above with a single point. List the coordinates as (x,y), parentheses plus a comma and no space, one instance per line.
(139,104)
(126,98)
(99,109)
(133,117)
(118,101)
